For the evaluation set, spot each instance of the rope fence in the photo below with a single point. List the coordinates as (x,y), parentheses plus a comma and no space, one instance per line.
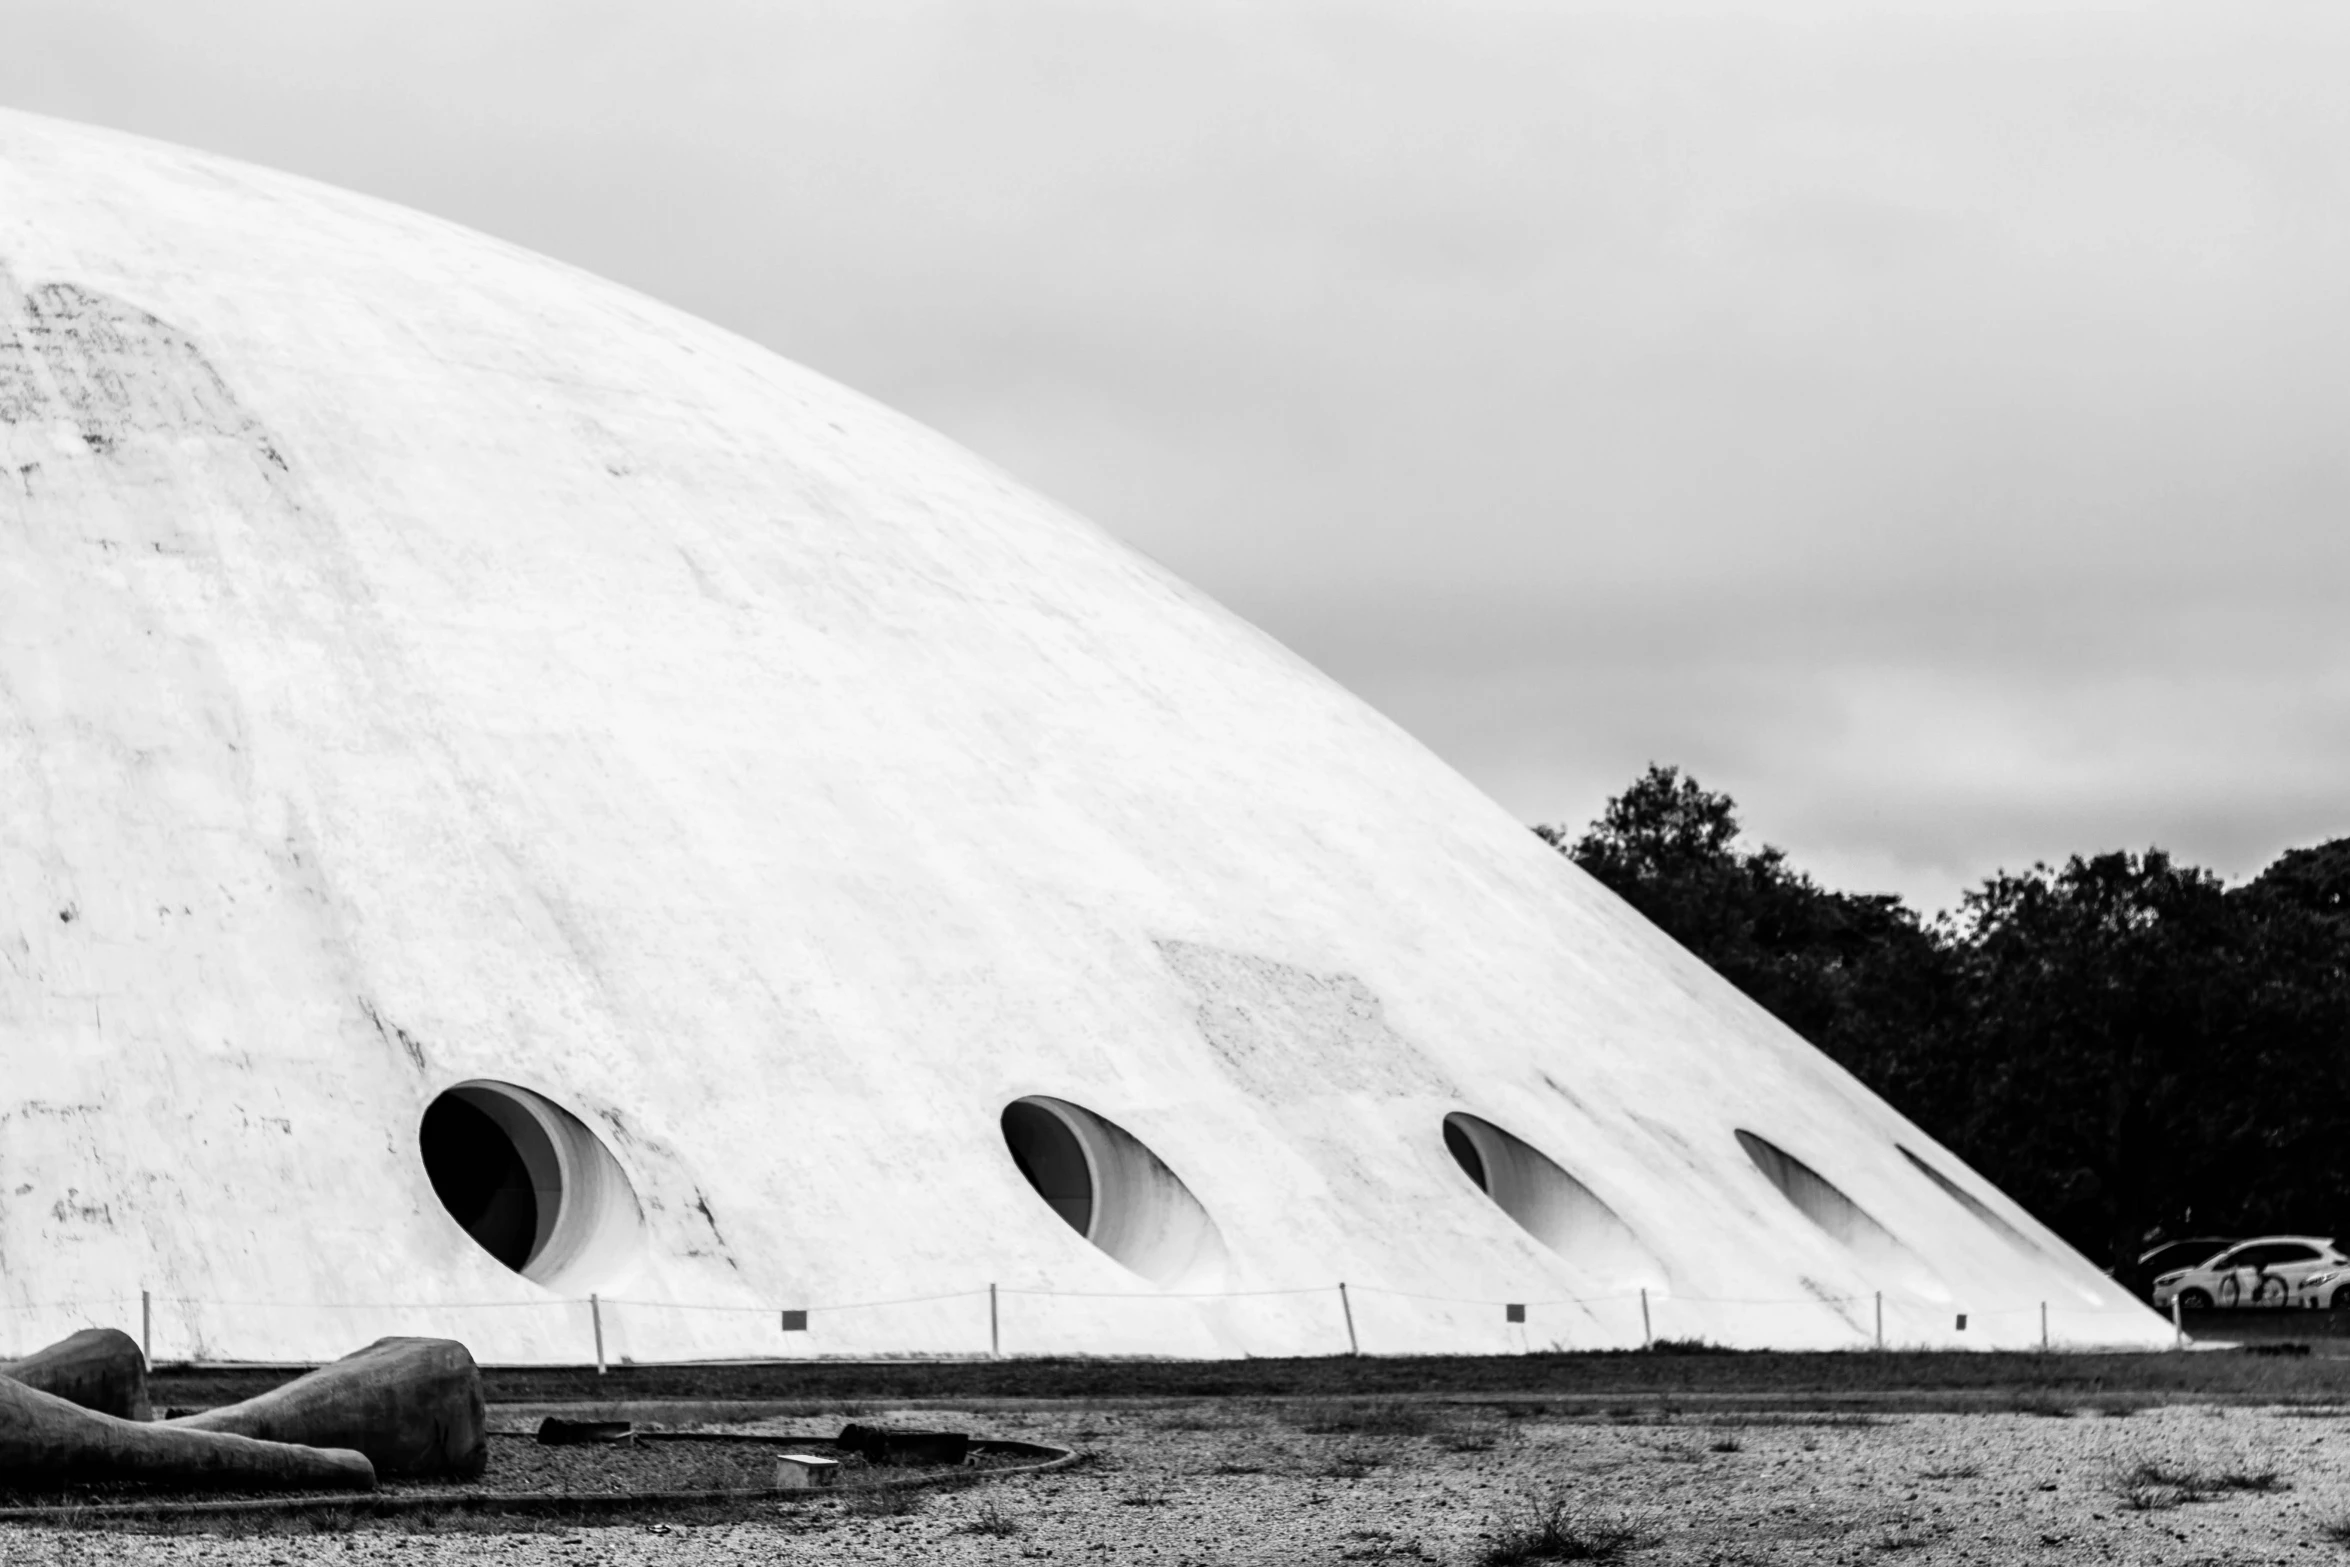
(950,1324)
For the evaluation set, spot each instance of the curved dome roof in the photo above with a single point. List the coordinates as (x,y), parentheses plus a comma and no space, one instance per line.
(508,791)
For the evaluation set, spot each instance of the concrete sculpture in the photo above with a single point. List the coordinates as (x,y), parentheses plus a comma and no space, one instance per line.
(97,1368)
(45,1440)
(412,1405)
(511,797)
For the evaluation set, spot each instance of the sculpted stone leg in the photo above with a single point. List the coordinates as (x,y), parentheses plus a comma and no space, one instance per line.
(44,1439)
(412,1405)
(97,1368)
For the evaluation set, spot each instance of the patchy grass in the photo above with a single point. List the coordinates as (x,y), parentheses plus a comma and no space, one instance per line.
(1831,1420)
(1725,1444)
(1916,1375)
(1954,1472)
(1350,1417)
(2152,1487)
(992,1519)
(1210,1415)
(1552,1530)
(1351,1462)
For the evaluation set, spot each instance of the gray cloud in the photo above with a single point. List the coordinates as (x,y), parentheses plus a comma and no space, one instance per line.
(1924,420)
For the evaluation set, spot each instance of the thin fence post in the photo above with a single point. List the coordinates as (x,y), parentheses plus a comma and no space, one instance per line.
(2178,1325)
(1880,1319)
(147,1327)
(1353,1346)
(596,1316)
(2043,1327)
(995,1328)
(1647,1337)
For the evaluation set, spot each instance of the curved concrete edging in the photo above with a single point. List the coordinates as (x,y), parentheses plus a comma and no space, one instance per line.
(377,1504)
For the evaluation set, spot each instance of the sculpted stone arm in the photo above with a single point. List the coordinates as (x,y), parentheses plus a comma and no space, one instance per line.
(412,1405)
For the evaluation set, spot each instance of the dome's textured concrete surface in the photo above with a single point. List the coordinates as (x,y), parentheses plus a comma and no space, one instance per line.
(449,703)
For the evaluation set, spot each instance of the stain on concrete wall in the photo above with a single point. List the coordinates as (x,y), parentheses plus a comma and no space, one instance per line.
(114,369)
(1287,1033)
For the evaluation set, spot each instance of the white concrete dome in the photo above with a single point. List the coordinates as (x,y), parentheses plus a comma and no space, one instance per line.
(509,792)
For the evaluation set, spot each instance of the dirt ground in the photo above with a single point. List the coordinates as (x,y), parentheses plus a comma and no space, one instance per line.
(1471,1481)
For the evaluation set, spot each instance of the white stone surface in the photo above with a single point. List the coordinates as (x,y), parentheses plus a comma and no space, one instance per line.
(423,662)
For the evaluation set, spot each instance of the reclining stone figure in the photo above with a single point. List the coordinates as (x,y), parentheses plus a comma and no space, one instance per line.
(78,1410)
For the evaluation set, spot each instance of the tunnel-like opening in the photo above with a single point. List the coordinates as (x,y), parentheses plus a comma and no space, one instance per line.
(480,1177)
(1818,1199)
(1108,1187)
(1464,1153)
(1548,1203)
(529,1182)
(1050,1156)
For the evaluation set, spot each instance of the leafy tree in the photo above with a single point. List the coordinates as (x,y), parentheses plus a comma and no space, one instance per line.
(2145,1049)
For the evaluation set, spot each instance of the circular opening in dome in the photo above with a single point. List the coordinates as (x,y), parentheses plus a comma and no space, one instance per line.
(1548,1203)
(528,1181)
(1108,1187)
(1815,1197)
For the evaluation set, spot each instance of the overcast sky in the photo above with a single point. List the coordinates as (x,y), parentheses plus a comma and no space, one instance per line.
(1928,422)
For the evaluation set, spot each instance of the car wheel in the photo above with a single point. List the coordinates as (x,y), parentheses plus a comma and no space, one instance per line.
(2341,1300)
(2272,1292)
(2196,1300)
(2231,1290)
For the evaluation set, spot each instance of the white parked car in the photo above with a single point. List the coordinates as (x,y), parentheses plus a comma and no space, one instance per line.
(2275,1270)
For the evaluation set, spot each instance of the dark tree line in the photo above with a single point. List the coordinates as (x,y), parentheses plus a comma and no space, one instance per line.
(2128,1046)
